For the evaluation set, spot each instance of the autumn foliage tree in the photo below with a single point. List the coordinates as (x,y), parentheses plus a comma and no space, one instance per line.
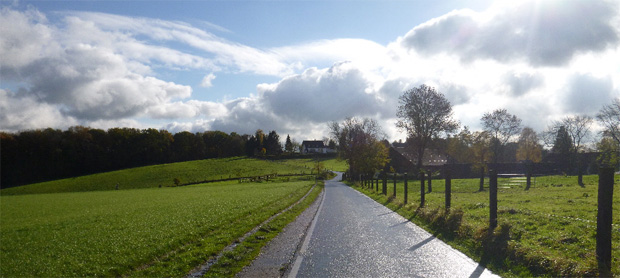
(360,144)
(529,149)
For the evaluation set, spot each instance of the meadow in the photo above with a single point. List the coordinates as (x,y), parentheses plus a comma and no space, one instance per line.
(140,232)
(331,164)
(548,230)
(164,175)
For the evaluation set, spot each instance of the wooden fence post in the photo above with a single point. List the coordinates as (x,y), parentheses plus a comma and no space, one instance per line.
(448,178)
(421,189)
(430,181)
(603,220)
(394,184)
(384,184)
(406,193)
(492,199)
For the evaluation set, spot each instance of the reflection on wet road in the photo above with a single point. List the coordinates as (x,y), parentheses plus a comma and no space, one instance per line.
(354,236)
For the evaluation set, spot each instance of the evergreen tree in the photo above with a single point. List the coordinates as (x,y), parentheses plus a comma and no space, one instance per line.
(288,146)
(272,144)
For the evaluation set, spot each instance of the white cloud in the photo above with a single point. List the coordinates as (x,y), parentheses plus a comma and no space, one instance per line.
(26,112)
(207,81)
(538,61)
(543,33)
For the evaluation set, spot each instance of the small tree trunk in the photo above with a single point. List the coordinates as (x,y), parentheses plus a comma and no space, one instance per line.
(481,178)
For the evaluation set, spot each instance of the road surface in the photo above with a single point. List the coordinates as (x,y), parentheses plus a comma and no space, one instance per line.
(354,236)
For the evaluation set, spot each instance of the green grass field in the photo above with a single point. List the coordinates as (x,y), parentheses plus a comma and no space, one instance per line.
(142,232)
(153,176)
(550,228)
(332,164)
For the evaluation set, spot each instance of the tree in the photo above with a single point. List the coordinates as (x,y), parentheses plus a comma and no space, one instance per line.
(288,145)
(272,143)
(502,126)
(360,144)
(577,129)
(563,142)
(609,117)
(529,149)
(424,114)
(459,147)
(609,150)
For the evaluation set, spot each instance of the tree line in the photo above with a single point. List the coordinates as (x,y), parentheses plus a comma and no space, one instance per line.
(47,154)
(426,116)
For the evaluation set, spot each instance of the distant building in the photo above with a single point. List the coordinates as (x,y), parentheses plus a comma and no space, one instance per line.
(432,157)
(314,146)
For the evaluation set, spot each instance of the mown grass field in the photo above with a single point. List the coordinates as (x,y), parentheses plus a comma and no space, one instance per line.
(549,230)
(331,164)
(142,232)
(164,174)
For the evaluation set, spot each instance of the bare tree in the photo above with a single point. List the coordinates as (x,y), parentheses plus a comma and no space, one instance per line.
(424,113)
(578,130)
(503,127)
(360,144)
(577,127)
(609,117)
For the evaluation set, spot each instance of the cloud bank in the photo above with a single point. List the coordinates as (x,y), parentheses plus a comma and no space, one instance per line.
(541,60)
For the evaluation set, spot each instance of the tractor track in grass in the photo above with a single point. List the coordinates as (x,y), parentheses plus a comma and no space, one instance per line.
(202,269)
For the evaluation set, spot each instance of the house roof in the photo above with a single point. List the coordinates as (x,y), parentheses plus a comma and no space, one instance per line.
(313,144)
(431,156)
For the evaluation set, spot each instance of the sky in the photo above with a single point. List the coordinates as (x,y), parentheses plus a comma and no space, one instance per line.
(296,66)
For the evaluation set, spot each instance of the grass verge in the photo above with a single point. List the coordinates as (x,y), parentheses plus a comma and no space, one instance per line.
(233,262)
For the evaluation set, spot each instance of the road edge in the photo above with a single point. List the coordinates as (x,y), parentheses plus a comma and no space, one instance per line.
(276,257)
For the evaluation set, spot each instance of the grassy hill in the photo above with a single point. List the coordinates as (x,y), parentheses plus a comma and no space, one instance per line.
(164,175)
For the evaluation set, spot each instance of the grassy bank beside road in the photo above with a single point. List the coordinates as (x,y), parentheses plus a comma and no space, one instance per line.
(549,230)
(147,232)
(164,174)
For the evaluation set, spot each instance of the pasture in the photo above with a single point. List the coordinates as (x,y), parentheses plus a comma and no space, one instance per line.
(547,230)
(138,232)
(164,175)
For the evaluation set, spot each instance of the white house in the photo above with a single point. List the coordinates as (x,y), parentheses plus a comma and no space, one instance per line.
(314,146)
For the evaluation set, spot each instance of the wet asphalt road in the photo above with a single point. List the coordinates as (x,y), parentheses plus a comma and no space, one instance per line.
(354,236)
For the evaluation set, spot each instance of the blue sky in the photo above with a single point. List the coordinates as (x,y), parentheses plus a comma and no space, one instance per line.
(293,66)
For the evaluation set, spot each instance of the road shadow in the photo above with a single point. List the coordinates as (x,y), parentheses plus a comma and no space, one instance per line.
(421,243)
(478,271)
(386,213)
(401,223)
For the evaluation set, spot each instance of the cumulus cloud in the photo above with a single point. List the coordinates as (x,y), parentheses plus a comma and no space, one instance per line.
(521,83)
(543,33)
(586,94)
(321,95)
(21,112)
(540,60)
(207,80)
